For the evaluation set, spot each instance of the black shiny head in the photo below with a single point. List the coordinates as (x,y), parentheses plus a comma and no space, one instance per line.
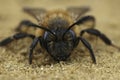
(60,48)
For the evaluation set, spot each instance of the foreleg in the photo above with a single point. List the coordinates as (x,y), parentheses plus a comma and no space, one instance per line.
(102,36)
(15,37)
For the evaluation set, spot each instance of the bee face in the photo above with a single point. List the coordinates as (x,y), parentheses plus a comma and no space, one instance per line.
(61,48)
(60,51)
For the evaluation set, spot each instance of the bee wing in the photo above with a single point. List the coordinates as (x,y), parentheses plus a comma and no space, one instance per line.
(77,12)
(37,13)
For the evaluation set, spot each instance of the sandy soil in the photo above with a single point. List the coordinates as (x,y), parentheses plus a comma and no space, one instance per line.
(14,58)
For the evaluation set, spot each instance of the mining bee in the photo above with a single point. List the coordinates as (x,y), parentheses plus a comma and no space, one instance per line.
(56,31)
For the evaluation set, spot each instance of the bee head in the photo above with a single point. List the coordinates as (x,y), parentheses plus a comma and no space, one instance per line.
(60,48)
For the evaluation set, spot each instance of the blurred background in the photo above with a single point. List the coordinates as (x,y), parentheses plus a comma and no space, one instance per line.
(106,11)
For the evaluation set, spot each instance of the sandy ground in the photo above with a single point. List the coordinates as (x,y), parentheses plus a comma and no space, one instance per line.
(14,58)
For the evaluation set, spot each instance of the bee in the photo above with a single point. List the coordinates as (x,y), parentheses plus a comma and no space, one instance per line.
(57,32)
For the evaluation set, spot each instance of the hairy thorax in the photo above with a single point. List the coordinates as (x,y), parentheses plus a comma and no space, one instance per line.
(54,20)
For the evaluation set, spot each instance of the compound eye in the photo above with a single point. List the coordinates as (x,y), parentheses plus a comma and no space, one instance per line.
(48,37)
(67,37)
(50,41)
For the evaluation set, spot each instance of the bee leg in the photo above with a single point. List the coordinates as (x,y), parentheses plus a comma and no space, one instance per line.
(88,46)
(25,23)
(102,36)
(32,47)
(87,21)
(15,37)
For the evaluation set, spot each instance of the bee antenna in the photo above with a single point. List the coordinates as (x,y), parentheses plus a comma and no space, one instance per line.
(37,26)
(76,23)
(80,21)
